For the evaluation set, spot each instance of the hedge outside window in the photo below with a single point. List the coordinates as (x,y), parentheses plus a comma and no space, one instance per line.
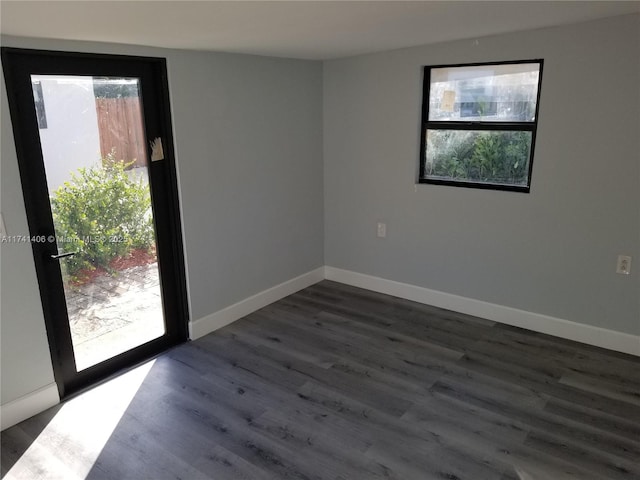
(479,124)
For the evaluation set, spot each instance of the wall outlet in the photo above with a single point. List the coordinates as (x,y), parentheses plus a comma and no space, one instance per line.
(624,265)
(382,230)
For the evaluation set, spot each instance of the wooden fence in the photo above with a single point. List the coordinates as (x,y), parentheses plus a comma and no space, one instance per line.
(121,129)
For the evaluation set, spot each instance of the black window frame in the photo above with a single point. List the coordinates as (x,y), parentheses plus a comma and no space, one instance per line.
(425,125)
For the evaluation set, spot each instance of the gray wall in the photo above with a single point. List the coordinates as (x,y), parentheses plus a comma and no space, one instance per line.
(248,134)
(552,251)
(249,139)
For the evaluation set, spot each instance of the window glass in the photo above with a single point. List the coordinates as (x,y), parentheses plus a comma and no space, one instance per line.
(498,157)
(488,93)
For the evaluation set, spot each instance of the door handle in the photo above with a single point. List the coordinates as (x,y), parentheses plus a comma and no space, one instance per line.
(62,255)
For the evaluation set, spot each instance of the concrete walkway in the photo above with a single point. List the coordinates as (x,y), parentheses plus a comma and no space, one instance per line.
(113,314)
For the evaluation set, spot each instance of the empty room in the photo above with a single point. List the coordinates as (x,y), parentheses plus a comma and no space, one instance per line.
(315,240)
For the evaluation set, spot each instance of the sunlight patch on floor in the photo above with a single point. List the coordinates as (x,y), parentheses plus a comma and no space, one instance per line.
(72,441)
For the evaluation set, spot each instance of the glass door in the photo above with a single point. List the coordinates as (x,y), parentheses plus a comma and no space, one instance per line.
(93,140)
(94,150)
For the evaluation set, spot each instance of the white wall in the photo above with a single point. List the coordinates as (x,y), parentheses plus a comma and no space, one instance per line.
(248,134)
(71,139)
(25,363)
(552,251)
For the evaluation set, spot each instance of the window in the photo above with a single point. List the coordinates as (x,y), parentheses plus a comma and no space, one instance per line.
(479,124)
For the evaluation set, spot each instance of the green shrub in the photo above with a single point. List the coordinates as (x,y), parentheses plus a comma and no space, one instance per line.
(499,157)
(102,213)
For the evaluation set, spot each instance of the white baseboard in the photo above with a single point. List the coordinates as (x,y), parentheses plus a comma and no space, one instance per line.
(600,337)
(223,317)
(29,405)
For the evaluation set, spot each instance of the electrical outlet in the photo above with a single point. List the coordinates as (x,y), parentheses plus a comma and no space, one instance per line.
(624,265)
(382,229)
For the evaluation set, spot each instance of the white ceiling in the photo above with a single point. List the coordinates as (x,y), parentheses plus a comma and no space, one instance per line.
(297,29)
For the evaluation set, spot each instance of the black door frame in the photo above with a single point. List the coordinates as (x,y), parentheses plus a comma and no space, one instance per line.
(18,65)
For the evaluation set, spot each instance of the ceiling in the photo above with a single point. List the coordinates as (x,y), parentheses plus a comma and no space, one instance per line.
(296,29)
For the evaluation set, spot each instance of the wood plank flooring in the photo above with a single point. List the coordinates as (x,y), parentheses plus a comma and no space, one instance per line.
(336,382)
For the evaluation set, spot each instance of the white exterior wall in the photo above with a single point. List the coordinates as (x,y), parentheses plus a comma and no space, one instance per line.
(71,139)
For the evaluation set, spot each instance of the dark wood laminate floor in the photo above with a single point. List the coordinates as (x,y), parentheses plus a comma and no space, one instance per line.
(335,382)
